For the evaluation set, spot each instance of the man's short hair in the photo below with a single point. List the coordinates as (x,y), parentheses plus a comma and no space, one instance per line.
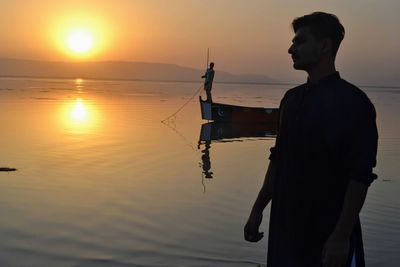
(322,25)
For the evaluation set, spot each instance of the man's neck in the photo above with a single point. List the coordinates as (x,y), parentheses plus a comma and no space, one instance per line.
(316,74)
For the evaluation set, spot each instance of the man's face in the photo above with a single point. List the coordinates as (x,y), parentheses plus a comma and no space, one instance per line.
(306,50)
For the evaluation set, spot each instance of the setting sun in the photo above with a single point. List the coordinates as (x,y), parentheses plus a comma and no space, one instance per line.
(81,36)
(80,41)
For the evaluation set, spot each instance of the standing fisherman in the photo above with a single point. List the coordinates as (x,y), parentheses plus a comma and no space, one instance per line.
(209,77)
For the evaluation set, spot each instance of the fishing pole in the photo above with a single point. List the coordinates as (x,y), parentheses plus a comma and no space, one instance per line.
(208,57)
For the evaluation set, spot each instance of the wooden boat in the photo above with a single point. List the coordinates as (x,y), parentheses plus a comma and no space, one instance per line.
(225,131)
(238,114)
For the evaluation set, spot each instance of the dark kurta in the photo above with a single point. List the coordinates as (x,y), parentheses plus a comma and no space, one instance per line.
(327,136)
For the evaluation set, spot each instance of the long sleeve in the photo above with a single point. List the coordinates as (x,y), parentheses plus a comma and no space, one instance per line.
(362,149)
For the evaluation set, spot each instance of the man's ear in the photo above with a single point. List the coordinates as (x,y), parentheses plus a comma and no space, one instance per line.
(326,45)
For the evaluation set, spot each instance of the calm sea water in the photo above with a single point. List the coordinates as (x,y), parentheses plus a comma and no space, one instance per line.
(102,182)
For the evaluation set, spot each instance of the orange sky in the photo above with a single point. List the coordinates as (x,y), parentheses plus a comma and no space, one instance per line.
(249,36)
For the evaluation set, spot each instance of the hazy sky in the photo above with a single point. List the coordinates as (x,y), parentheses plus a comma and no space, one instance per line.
(244,36)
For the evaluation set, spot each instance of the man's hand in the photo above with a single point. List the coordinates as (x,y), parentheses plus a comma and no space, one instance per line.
(336,251)
(251,232)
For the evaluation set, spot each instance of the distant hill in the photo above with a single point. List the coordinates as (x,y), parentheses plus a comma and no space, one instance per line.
(119,70)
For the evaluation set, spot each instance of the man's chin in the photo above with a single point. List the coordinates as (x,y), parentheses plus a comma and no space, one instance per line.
(298,66)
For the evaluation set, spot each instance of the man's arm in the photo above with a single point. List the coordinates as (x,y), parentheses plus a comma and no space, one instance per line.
(337,246)
(251,230)
(353,202)
(361,159)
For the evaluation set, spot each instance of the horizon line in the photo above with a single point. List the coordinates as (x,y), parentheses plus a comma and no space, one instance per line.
(177,81)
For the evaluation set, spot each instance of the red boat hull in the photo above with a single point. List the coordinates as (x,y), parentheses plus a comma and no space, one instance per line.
(230,113)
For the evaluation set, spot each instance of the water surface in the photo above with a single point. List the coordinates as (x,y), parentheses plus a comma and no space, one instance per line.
(102,182)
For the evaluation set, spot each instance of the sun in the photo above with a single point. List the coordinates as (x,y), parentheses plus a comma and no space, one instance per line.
(81,36)
(80,41)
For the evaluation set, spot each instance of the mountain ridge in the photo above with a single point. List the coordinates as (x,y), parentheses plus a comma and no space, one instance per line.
(118,70)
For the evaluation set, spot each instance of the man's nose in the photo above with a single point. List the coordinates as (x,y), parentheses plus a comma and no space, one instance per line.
(291,49)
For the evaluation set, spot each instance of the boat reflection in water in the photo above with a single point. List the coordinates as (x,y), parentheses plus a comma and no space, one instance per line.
(223,132)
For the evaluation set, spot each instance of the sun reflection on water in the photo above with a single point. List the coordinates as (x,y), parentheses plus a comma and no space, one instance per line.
(79,111)
(80,116)
(79,84)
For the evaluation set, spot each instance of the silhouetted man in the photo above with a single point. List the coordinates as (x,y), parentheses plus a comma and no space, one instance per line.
(209,77)
(321,165)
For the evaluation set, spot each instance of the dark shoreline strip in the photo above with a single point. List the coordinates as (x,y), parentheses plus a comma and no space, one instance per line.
(5,169)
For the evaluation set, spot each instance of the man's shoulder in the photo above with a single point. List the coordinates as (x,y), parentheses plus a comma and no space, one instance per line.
(351,88)
(295,90)
(292,93)
(354,98)
(352,91)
